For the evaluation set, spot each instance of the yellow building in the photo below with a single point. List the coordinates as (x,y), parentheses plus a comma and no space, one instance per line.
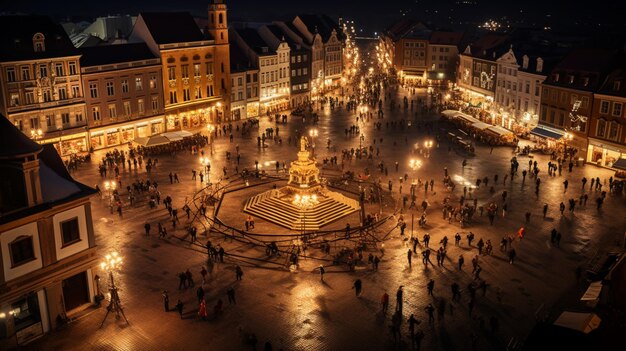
(47,243)
(40,87)
(196,68)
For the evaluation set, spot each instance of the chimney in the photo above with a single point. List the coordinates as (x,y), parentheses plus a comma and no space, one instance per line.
(525,62)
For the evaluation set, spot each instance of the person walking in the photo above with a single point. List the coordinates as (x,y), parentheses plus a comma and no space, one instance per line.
(399,296)
(384,301)
(322,271)
(166,301)
(202,313)
(512,255)
(231,296)
(461,262)
(238,272)
(409,255)
(430,310)
(179,307)
(147,228)
(430,286)
(357,286)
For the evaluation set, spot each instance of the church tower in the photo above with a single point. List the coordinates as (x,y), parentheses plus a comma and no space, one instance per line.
(218,29)
(218,23)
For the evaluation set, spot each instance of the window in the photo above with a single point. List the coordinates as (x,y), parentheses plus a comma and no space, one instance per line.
(198,93)
(613,130)
(25,73)
(293,59)
(171,73)
(93,90)
(43,70)
(184,71)
(304,58)
(604,107)
(617,109)
(601,128)
(305,71)
(72,67)
(173,97)
(65,118)
(22,250)
(616,85)
(11,74)
(240,95)
(49,121)
(58,69)
(62,94)
(293,72)
(140,107)
(127,110)
(196,70)
(95,113)
(47,96)
(70,233)
(112,111)
(138,84)
(209,68)
(15,99)
(155,104)
(34,122)
(75,91)
(79,117)
(110,88)
(125,86)
(30,97)
(209,90)
(239,81)
(39,42)
(585,102)
(248,93)
(186,95)
(153,81)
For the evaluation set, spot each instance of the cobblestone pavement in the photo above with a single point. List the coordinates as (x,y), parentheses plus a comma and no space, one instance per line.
(295,310)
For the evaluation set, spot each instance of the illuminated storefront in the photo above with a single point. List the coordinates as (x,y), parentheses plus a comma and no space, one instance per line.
(252,109)
(115,135)
(604,153)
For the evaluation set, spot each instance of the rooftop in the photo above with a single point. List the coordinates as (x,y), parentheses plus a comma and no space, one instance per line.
(111,54)
(13,143)
(172,27)
(16,38)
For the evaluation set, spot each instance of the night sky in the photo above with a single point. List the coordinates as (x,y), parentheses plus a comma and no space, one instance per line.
(373,15)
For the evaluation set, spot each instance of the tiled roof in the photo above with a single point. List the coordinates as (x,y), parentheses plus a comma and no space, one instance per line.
(615,82)
(110,54)
(16,38)
(239,62)
(583,69)
(252,38)
(321,24)
(445,38)
(172,27)
(13,143)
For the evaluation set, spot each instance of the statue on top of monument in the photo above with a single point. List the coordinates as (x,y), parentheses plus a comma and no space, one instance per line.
(303,143)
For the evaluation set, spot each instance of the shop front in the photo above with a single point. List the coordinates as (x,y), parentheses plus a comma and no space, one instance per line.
(194,118)
(604,153)
(115,135)
(546,136)
(28,317)
(274,105)
(252,109)
(67,145)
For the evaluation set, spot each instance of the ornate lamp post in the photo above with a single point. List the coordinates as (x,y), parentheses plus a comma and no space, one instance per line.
(110,186)
(428,144)
(112,262)
(210,128)
(36,134)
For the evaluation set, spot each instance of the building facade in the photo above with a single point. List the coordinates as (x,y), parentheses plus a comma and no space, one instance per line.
(40,85)
(607,128)
(196,68)
(47,270)
(124,93)
(442,56)
(567,94)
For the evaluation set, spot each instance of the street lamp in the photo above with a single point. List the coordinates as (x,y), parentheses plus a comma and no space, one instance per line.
(206,163)
(566,137)
(36,134)
(111,262)
(428,144)
(313,133)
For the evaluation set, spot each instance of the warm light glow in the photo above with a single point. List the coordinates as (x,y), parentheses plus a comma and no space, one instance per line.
(415,163)
(111,261)
(305,201)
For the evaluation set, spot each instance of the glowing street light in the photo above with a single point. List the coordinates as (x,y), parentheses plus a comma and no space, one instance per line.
(110,186)
(313,133)
(36,134)
(112,262)
(206,164)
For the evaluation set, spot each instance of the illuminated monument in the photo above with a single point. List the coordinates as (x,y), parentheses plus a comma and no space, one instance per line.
(304,203)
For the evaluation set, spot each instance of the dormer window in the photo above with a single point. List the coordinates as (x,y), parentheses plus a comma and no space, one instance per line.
(571,79)
(617,85)
(556,77)
(585,81)
(38,42)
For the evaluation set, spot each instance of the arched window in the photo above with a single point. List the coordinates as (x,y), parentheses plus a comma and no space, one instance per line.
(222,36)
(39,42)
(220,18)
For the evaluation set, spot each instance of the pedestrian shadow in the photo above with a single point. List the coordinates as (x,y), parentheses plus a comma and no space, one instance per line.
(326,285)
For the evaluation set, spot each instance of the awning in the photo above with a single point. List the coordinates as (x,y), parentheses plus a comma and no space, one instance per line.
(467,118)
(154,140)
(583,322)
(449,113)
(620,164)
(593,291)
(546,133)
(501,131)
(480,125)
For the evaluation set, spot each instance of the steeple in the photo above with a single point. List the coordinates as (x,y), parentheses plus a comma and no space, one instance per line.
(218,22)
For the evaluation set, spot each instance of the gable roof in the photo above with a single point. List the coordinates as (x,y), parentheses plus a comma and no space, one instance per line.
(583,69)
(617,75)
(445,38)
(321,24)
(110,54)
(252,38)
(172,27)
(16,38)
(239,62)
(403,27)
(13,143)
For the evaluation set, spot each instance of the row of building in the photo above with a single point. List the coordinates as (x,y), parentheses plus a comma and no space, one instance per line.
(171,72)
(564,93)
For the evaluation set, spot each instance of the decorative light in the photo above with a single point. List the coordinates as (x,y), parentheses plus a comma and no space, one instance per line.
(305,201)
(111,261)
(415,164)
